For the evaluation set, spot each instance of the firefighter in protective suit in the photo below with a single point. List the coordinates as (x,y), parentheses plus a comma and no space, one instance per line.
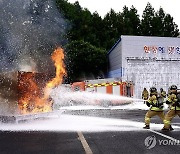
(145,95)
(162,93)
(156,107)
(173,101)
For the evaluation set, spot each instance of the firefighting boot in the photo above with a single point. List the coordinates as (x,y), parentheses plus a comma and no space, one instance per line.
(170,128)
(165,129)
(146,127)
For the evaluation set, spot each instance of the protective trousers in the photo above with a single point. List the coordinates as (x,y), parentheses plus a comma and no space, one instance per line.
(169,116)
(151,114)
(145,99)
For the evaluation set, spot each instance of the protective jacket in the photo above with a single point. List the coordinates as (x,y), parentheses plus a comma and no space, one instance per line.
(174,101)
(156,105)
(145,94)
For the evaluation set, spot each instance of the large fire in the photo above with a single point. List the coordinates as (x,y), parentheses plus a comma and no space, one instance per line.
(33,98)
(57,57)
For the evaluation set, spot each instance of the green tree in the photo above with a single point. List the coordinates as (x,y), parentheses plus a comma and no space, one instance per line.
(131,21)
(90,36)
(158,23)
(97,32)
(113,24)
(84,58)
(147,20)
(170,28)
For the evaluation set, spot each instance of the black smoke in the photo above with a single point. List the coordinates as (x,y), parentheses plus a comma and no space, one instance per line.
(29,32)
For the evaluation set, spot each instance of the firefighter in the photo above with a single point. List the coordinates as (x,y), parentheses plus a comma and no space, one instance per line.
(145,95)
(162,93)
(156,107)
(174,101)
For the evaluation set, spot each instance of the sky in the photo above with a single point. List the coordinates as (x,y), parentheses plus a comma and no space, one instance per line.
(103,6)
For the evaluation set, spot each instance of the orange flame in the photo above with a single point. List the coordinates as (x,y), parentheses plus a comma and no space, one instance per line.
(35,99)
(57,57)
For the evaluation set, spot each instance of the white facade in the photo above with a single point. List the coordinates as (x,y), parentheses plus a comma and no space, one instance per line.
(147,61)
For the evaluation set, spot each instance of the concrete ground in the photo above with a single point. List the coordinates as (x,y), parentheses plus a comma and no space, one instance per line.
(102,131)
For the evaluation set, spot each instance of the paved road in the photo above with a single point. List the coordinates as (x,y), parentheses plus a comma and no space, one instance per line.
(123,133)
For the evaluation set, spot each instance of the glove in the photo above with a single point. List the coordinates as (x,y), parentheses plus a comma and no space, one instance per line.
(172,97)
(155,103)
(152,98)
(148,104)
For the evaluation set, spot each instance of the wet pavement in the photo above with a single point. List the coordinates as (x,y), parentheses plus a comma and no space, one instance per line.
(127,137)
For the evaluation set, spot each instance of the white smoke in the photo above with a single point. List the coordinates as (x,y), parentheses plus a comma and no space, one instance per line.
(29,29)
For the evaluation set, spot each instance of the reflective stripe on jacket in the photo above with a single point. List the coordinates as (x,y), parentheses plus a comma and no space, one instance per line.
(153,107)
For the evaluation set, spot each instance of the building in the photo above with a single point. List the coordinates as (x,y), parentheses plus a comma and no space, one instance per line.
(147,61)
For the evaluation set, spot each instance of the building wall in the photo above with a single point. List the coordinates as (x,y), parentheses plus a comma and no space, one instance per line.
(159,47)
(115,60)
(147,61)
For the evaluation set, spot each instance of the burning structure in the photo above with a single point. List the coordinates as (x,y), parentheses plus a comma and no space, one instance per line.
(29,31)
(27,93)
(19,91)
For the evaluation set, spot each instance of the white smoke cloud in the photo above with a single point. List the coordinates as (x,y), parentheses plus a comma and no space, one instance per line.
(29,29)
